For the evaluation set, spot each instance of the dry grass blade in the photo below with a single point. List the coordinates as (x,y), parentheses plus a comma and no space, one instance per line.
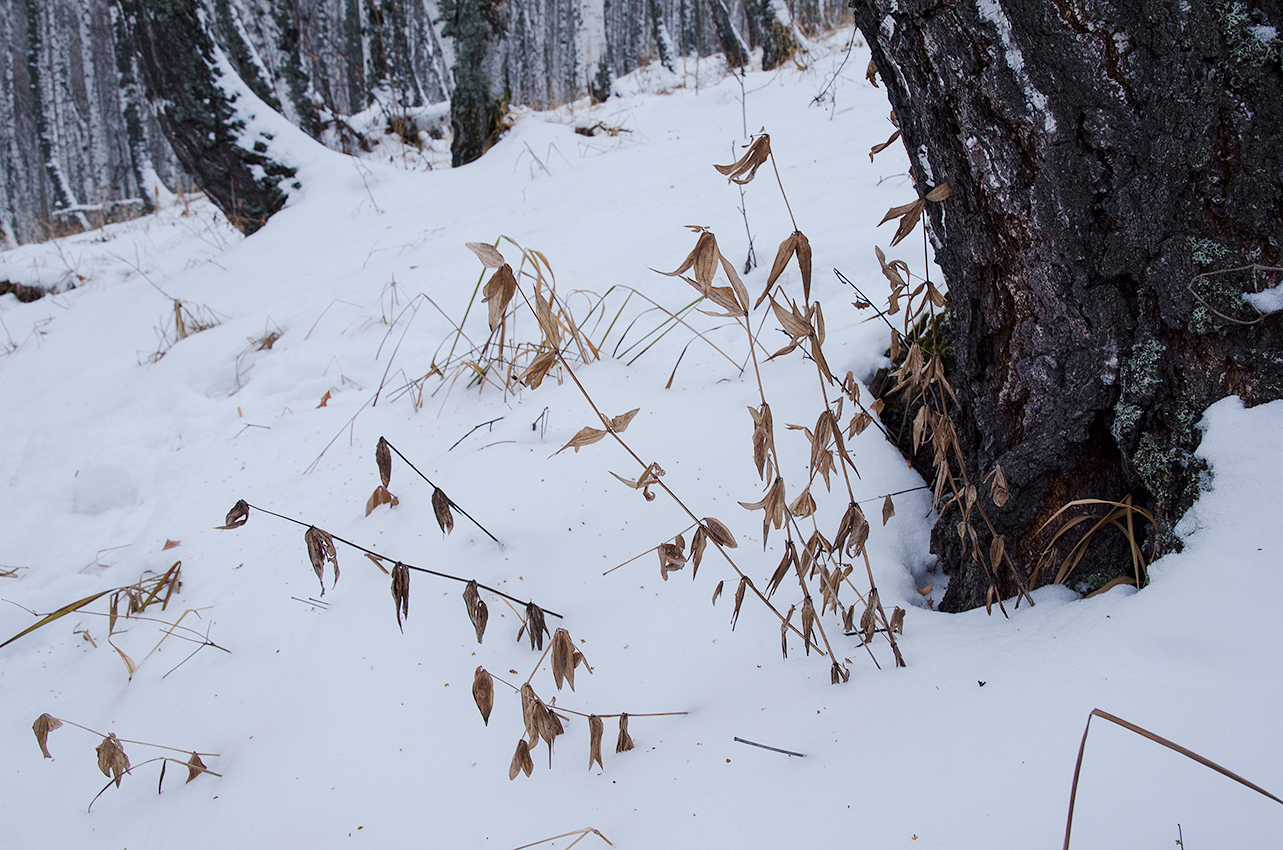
(237,516)
(487,254)
(1157,739)
(581,833)
(483,693)
(61,612)
(195,767)
(698,544)
(383,457)
(380,496)
(534,626)
(478,613)
(45,724)
(1121,511)
(401,593)
(897,620)
(521,761)
(596,728)
(320,548)
(808,624)
(625,741)
(745,168)
(112,760)
(563,659)
(441,509)
(739,599)
(130,666)
(497,294)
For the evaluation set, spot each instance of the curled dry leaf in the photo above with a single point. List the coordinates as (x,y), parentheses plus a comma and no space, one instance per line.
(908,214)
(838,674)
(745,168)
(595,730)
(586,437)
(897,620)
(534,626)
(998,491)
(739,599)
(718,591)
(380,496)
(487,254)
(879,148)
(939,193)
(237,516)
(926,591)
(789,560)
(112,760)
(563,659)
(671,558)
(702,259)
(320,548)
(772,505)
(195,767)
(619,423)
(852,531)
(483,693)
(441,509)
(383,457)
(808,623)
(698,543)
(888,509)
(521,761)
(763,439)
(401,593)
(643,483)
(548,323)
(497,294)
(45,724)
(718,532)
(477,611)
(871,73)
(170,544)
(804,505)
(625,742)
(538,369)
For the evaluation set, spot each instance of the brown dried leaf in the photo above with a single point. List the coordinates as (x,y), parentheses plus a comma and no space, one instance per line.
(671,558)
(998,491)
(595,730)
(908,214)
(697,549)
(650,476)
(852,531)
(888,509)
(743,170)
(325,400)
(477,611)
(719,533)
(784,632)
(441,508)
(521,761)
(619,423)
(383,457)
(45,724)
(871,73)
(586,437)
(838,674)
(997,548)
(804,266)
(130,666)
(804,505)
(487,254)
(538,369)
(808,624)
(625,742)
(380,496)
(563,658)
(378,562)
(112,760)
(401,593)
(772,506)
(237,516)
(718,591)
(483,693)
(939,193)
(897,620)
(547,321)
(534,625)
(320,548)
(739,599)
(195,767)
(926,591)
(789,559)
(497,294)
(170,544)
(763,439)
(868,620)
(879,148)
(787,248)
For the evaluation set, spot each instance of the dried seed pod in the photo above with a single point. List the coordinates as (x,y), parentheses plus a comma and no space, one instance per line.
(625,742)
(563,658)
(595,730)
(441,508)
(383,457)
(237,516)
(477,611)
(320,548)
(483,693)
(521,761)
(718,532)
(112,760)
(534,626)
(45,724)
(195,767)
(401,593)
(380,496)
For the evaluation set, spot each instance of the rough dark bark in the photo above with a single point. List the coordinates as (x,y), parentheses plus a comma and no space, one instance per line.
(198,117)
(1101,156)
(474,114)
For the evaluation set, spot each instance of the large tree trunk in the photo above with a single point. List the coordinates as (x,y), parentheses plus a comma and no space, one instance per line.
(198,115)
(1102,156)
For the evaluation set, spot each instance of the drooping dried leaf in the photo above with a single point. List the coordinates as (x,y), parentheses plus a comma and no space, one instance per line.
(939,193)
(879,148)
(997,548)
(671,558)
(650,476)
(852,532)
(698,543)
(595,730)
(563,658)
(625,742)
(130,666)
(401,593)
(320,548)
(237,516)
(703,259)
(772,506)
(530,705)
(804,266)
(483,693)
(808,623)
(763,439)
(739,599)
(534,625)
(497,294)
(477,611)
(897,620)
(926,591)
(743,170)
(784,632)
(868,620)
(719,533)
(619,423)
(871,73)
(804,505)
(998,491)
(586,437)
(789,560)
(170,544)
(441,509)
(45,724)
(487,254)
(908,214)
(112,760)
(718,591)
(538,369)
(380,496)
(195,767)
(547,321)
(383,457)
(785,253)
(888,509)
(521,761)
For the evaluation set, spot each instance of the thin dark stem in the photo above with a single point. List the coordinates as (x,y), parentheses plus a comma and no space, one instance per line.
(383,557)
(453,504)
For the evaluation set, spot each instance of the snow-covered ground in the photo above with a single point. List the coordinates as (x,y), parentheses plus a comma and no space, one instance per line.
(334,729)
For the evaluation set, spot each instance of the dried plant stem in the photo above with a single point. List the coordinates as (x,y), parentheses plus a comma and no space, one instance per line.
(559,708)
(782,193)
(383,557)
(582,833)
(452,502)
(138,743)
(647,552)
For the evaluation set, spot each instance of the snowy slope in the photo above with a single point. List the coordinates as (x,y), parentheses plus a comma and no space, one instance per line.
(333,728)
